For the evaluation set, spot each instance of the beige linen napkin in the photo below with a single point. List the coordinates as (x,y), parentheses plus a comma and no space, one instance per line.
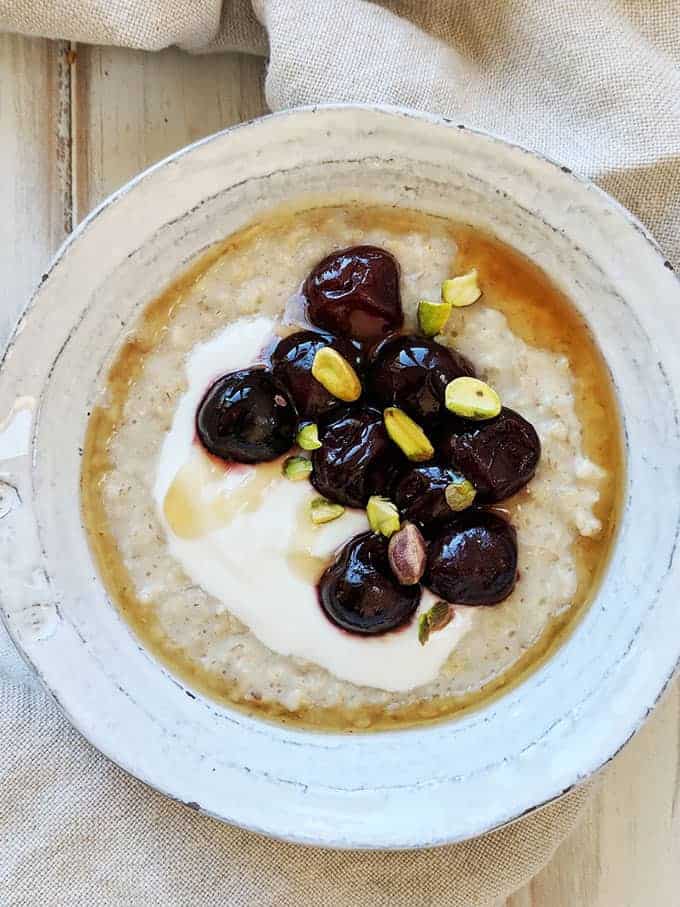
(595,85)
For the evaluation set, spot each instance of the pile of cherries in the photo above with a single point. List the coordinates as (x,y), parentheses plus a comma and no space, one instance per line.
(250,416)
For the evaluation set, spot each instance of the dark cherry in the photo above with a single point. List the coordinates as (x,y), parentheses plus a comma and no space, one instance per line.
(419,495)
(359,593)
(355,293)
(247,416)
(412,372)
(474,560)
(292,365)
(356,459)
(498,456)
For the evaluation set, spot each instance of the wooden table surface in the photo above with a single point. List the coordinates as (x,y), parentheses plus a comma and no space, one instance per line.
(76,123)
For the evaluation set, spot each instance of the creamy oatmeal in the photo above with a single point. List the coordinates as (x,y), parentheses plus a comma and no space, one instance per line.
(524,340)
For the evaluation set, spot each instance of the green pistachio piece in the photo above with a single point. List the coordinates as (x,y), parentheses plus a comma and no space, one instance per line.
(472,398)
(323,511)
(407,435)
(460,494)
(383,516)
(308,437)
(297,468)
(461,291)
(432,316)
(335,373)
(438,617)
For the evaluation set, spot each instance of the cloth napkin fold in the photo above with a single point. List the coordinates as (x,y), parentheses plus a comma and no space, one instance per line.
(595,85)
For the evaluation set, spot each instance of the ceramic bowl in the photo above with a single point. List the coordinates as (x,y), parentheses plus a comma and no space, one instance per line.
(411,788)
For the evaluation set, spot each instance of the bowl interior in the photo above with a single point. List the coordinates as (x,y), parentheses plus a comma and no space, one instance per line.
(402,789)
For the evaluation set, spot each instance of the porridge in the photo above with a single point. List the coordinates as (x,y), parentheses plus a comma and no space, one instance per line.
(294,597)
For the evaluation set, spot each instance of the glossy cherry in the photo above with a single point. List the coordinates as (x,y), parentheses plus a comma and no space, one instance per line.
(355,293)
(474,560)
(419,495)
(359,593)
(356,458)
(498,456)
(247,416)
(292,365)
(412,372)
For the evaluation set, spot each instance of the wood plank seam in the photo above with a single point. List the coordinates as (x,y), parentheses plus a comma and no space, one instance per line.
(64,137)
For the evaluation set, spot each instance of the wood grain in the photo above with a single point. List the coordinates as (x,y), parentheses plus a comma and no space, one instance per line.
(626,852)
(132,109)
(35,163)
(72,132)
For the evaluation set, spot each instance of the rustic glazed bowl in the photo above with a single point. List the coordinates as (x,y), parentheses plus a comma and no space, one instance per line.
(411,788)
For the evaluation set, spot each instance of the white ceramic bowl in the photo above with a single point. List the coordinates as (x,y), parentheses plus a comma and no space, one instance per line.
(399,789)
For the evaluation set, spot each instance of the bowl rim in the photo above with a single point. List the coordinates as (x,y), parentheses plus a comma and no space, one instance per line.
(121,192)
(399,110)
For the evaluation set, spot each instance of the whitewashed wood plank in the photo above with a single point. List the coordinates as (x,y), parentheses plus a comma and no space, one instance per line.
(132,109)
(35,165)
(626,853)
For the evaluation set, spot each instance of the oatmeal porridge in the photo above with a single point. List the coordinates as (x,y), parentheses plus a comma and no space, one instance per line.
(243,577)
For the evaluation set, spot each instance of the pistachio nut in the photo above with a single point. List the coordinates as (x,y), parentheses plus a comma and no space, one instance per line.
(461,291)
(308,437)
(460,494)
(472,398)
(323,511)
(297,468)
(383,516)
(407,555)
(438,617)
(407,435)
(432,316)
(335,373)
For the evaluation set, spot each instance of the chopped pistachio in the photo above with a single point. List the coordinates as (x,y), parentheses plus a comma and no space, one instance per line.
(441,615)
(308,437)
(323,511)
(383,516)
(462,290)
(472,398)
(423,628)
(432,316)
(438,617)
(335,373)
(407,555)
(407,435)
(297,468)
(460,494)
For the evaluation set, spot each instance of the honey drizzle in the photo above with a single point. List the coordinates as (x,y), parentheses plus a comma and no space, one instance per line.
(193,508)
(301,559)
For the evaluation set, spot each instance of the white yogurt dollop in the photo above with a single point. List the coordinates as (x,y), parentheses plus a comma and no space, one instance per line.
(244,535)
